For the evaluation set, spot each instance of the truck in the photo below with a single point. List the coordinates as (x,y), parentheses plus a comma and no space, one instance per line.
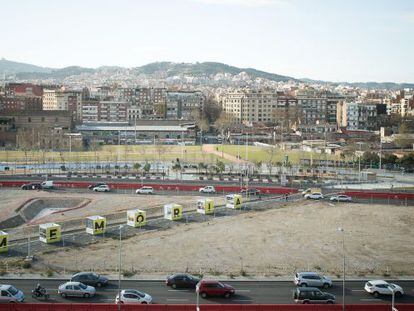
(311,190)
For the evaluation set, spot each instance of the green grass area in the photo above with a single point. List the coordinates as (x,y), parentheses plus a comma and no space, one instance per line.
(114,153)
(265,154)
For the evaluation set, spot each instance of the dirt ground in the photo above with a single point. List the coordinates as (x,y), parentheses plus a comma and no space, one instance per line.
(379,240)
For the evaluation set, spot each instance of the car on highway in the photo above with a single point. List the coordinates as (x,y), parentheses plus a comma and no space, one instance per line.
(341,198)
(9,293)
(182,280)
(207,189)
(102,188)
(381,287)
(250,191)
(90,187)
(310,190)
(314,279)
(31,186)
(145,190)
(209,288)
(312,295)
(314,196)
(90,278)
(76,289)
(131,296)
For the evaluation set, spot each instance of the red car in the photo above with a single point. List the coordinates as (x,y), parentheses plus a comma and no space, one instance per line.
(214,288)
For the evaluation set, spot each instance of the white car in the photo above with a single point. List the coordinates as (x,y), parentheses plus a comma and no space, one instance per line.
(76,289)
(341,198)
(145,190)
(207,189)
(133,296)
(101,188)
(381,287)
(314,196)
(9,293)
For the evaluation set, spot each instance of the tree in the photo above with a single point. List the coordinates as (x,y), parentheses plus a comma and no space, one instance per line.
(369,158)
(220,166)
(224,122)
(202,166)
(137,166)
(147,167)
(407,161)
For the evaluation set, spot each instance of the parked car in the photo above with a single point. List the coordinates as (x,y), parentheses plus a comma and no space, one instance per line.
(312,295)
(145,190)
(381,287)
(341,198)
(102,188)
(76,289)
(131,296)
(9,293)
(31,186)
(314,196)
(312,279)
(182,280)
(90,187)
(207,189)
(90,278)
(251,191)
(207,288)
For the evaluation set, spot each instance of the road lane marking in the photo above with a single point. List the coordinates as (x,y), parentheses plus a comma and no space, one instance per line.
(358,290)
(178,290)
(370,299)
(243,290)
(242,300)
(176,299)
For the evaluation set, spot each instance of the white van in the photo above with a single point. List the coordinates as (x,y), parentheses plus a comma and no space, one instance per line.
(47,184)
(9,293)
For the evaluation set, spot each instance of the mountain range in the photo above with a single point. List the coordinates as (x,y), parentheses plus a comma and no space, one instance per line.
(23,71)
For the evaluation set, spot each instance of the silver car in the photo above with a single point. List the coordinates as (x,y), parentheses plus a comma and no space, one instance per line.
(76,289)
(312,279)
(9,293)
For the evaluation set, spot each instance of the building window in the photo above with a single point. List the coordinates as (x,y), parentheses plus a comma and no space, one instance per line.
(29,119)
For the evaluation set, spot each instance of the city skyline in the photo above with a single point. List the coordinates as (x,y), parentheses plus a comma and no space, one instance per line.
(303,39)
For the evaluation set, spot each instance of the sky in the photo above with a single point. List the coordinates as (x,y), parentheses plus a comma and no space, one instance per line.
(331,40)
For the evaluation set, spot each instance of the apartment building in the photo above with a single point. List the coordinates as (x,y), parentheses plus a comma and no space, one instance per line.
(61,99)
(105,111)
(21,97)
(249,107)
(357,116)
(181,105)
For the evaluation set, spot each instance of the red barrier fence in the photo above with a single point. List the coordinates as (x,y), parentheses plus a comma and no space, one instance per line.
(159,187)
(381,195)
(155,307)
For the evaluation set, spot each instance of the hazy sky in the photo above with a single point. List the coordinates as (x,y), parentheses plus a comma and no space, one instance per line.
(337,40)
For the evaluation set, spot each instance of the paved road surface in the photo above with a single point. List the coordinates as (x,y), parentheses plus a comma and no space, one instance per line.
(261,292)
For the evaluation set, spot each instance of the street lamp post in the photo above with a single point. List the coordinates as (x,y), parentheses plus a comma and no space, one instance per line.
(393,308)
(340,229)
(119,266)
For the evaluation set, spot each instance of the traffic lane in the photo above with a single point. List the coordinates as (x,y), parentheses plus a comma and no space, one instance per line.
(261,292)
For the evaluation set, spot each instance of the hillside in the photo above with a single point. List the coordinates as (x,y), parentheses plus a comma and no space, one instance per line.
(16,67)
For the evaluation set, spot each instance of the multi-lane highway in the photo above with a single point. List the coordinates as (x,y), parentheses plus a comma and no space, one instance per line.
(257,292)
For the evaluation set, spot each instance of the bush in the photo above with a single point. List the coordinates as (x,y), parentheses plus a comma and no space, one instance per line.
(49,273)
(26,265)
(129,273)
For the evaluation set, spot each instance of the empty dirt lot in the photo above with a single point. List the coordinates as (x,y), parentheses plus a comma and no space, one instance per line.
(379,241)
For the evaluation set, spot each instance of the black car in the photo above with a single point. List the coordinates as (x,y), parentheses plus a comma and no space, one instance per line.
(312,295)
(90,278)
(182,280)
(31,186)
(251,191)
(90,187)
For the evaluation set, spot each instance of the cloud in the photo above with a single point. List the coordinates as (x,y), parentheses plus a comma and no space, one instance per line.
(246,3)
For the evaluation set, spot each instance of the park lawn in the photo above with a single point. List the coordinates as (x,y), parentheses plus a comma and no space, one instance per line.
(257,153)
(111,153)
